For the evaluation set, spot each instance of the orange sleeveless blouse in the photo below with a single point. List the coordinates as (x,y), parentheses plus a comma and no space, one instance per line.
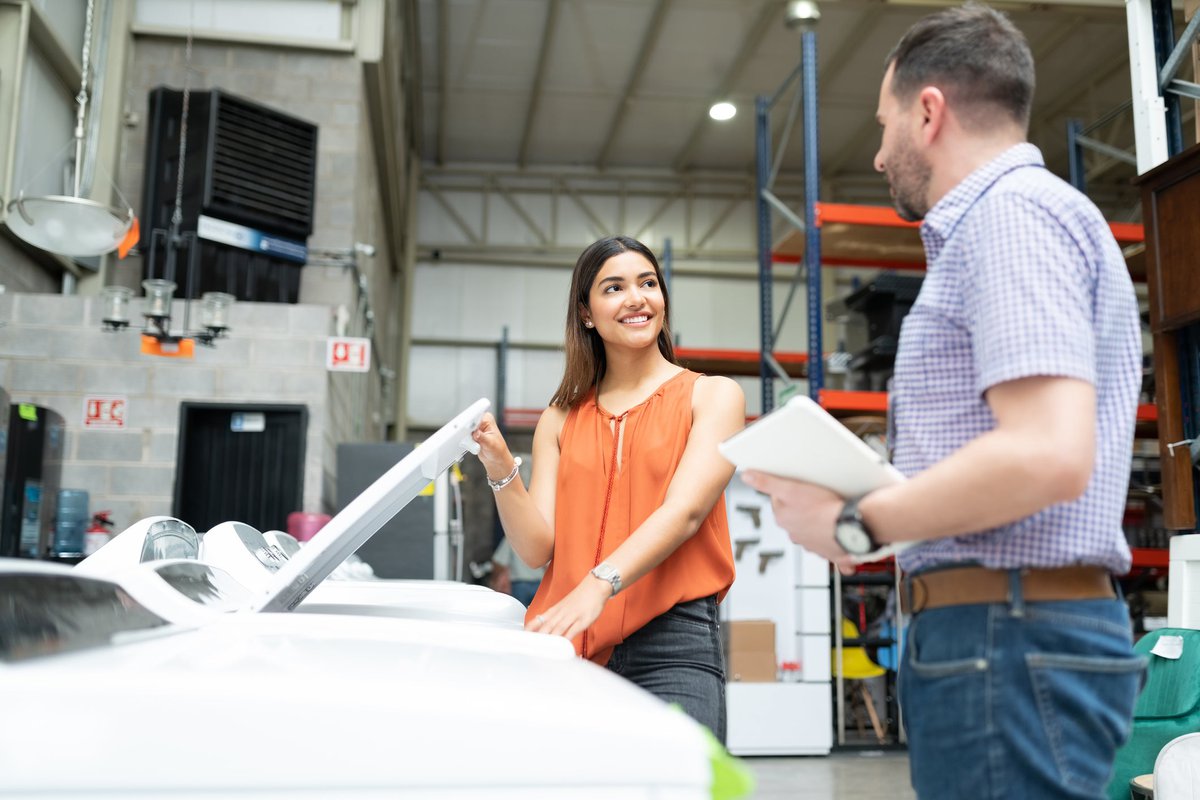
(597,506)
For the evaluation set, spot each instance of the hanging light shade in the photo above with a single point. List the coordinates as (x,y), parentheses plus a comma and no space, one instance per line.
(70,226)
(214,310)
(115,302)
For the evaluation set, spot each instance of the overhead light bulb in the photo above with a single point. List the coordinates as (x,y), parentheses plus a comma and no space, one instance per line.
(722,111)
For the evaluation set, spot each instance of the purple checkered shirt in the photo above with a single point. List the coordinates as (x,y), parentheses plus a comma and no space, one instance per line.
(1024,279)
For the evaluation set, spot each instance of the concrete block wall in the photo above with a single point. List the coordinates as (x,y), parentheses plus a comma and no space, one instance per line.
(53,353)
(324,88)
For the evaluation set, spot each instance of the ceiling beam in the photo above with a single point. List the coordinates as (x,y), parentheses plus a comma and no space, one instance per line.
(649,41)
(750,42)
(653,218)
(520,212)
(539,77)
(598,225)
(717,222)
(452,212)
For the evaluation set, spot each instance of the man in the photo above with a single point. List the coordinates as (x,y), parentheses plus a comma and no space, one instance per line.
(1013,405)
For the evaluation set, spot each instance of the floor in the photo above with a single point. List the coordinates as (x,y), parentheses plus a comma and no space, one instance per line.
(864,775)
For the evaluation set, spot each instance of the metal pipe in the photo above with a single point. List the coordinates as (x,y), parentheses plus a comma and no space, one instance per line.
(1107,149)
(762,158)
(1114,113)
(502,379)
(812,234)
(783,209)
(1171,66)
(1075,155)
(1185,88)
(784,86)
(1162,18)
(668,262)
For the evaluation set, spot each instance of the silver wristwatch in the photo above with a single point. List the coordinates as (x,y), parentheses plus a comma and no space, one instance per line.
(607,572)
(851,531)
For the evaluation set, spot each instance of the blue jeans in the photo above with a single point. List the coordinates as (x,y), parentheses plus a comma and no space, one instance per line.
(524,591)
(1018,700)
(677,657)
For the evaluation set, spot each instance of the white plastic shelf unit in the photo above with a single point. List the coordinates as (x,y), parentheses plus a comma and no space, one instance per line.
(782,582)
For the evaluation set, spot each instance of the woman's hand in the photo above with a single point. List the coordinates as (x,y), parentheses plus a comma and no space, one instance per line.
(576,612)
(493,450)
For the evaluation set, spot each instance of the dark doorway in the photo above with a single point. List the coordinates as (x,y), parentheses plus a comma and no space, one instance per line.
(240,462)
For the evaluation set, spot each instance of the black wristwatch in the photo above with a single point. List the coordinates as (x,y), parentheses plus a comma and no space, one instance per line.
(851,532)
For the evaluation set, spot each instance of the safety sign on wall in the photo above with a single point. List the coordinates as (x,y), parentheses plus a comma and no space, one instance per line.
(347,354)
(104,411)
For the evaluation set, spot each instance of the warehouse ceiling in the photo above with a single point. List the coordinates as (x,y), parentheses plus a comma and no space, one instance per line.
(624,85)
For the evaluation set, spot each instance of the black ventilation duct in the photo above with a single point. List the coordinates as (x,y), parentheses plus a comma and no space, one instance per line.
(249,183)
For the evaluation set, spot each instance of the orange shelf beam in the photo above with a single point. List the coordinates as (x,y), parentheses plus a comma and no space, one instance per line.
(1128,232)
(1151,557)
(751,356)
(837,400)
(849,214)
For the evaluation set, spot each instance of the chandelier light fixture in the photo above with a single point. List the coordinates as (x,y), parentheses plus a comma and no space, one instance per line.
(72,225)
(157,338)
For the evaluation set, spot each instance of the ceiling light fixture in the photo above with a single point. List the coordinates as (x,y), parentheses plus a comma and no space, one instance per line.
(73,225)
(722,110)
(157,338)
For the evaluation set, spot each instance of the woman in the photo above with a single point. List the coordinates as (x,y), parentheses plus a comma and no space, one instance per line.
(626,497)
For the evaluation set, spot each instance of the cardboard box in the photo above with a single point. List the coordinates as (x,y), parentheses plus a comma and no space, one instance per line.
(751,645)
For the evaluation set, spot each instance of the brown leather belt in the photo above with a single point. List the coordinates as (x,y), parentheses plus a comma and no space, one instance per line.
(960,586)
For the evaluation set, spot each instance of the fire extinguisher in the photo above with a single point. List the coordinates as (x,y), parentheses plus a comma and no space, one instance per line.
(97,534)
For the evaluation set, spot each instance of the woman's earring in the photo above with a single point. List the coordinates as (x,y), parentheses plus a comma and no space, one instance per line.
(587,323)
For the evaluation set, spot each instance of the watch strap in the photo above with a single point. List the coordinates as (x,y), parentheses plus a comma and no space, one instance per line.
(607,572)
(850,515)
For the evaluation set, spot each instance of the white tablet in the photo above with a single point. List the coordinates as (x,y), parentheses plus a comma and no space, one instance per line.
(803,441)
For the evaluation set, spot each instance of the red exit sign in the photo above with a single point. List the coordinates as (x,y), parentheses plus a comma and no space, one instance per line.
(348,354)
(104,411)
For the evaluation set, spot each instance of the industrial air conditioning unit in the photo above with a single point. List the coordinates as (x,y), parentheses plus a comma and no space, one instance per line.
(248,191)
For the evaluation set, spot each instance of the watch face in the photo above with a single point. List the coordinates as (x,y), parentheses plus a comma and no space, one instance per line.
(853,539)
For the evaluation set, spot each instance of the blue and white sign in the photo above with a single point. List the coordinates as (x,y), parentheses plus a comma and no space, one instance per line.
(230,233)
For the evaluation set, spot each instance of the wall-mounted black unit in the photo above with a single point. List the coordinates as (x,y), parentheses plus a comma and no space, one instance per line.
(249,188)
(32,474)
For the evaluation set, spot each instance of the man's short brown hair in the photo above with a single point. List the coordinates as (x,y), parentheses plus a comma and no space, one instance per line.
(975,55)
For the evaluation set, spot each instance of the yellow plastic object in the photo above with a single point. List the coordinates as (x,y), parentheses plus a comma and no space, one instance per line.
(856,664)
(731,779)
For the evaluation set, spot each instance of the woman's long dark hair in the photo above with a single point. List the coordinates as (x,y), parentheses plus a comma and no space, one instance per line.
(586,363)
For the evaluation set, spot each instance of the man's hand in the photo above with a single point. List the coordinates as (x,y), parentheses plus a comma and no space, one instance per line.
(576,612)
(807,512)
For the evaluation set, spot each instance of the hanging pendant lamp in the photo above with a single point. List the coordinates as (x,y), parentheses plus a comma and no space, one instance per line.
(72,225)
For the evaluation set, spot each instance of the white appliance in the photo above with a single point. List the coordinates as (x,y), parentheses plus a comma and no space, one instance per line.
(103,698)
(258,563)
(255,562)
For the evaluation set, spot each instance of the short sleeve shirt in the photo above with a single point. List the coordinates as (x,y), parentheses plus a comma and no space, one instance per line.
(1024,279)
